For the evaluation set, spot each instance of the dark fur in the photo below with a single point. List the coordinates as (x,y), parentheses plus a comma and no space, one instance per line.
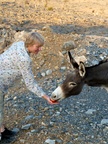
(93,76)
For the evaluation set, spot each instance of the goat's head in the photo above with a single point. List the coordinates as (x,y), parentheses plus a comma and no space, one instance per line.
(73,83)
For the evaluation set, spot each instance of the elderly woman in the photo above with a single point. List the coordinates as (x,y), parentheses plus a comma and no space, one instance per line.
(14,64)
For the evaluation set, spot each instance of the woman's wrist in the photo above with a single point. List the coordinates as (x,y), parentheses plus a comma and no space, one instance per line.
(45,97)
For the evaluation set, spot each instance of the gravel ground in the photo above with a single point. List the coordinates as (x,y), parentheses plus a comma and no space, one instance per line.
(81,119)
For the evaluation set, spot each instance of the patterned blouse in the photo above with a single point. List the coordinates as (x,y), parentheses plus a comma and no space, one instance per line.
(14,63)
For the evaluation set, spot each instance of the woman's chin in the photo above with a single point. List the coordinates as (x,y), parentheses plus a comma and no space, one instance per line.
(36,52)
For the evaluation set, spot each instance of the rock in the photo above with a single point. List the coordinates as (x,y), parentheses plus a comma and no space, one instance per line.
(68,46)
(59,141)
(90,111)
(48,72)
(95,62)
(22,140)
(34,131)
(49,141)
(63,68)
(57,113)
(29,117)
(16,130)
(39,75)
(104,121)
(26,127)
(64,52)
(56,67)
(47,29)
(43,74)
(42,62)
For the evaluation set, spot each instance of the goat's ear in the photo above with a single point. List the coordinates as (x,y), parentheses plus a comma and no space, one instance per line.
(82,70)
(72,61)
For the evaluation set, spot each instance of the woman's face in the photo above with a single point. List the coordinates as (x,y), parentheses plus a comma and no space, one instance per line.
(34,48)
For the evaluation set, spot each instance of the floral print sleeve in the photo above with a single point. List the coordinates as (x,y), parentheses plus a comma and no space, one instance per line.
(24,65)
(14,64)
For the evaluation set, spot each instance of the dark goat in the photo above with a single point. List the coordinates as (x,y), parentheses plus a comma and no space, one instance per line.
(92,76)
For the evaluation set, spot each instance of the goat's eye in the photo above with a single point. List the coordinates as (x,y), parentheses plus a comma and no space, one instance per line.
(72,84)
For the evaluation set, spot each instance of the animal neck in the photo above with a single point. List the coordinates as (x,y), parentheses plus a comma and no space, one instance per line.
(97,75)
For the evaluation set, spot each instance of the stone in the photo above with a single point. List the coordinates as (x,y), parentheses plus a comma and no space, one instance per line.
(16,130)
(63,68)
(104,121)
(29,117)
(26,127)
(49,141)
(43,74)
(69,45)
(48,72)
(90,111)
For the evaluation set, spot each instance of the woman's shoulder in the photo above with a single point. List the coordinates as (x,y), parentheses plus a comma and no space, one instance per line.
(19,43)
(21,50)
(19,46)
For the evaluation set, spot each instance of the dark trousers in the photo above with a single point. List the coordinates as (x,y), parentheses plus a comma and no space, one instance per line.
(1,108)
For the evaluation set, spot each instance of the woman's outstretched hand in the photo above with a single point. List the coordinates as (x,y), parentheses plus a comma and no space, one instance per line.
(49,100)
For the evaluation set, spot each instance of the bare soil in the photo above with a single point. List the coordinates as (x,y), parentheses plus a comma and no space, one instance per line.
(58,21)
